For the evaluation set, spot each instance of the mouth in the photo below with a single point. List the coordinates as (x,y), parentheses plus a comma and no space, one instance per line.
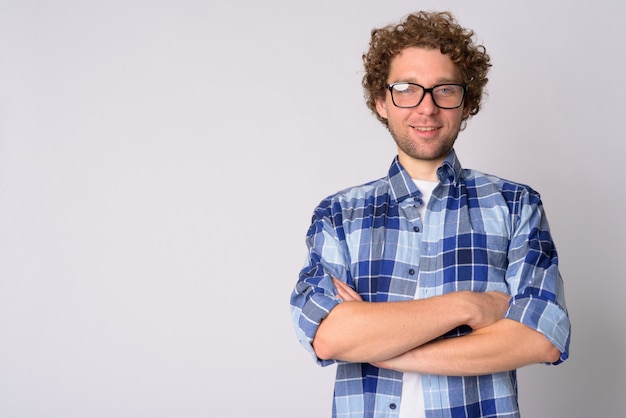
(425,128)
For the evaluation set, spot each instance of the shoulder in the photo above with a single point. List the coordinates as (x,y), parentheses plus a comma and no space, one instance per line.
(492,183)
(355,202)
(357,195)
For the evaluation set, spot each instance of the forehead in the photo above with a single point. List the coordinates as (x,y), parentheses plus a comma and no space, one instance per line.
(423,65)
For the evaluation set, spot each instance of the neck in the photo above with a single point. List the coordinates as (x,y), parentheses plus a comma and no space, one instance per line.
(420,169)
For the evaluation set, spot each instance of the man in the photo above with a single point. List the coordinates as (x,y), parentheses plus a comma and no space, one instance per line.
(430,286)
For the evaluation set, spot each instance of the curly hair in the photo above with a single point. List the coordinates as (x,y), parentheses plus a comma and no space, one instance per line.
(436,30)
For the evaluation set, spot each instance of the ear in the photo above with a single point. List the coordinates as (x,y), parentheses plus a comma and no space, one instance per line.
(381,107)
(466,111)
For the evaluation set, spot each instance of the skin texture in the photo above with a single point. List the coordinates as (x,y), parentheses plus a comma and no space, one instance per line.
(500,346)
(402,335)
(360,331)
(424,134)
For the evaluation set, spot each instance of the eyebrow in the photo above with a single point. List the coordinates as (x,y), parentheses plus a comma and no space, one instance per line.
(437,82)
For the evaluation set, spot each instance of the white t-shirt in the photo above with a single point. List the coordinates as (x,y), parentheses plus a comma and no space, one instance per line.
(426,187)
(412,398)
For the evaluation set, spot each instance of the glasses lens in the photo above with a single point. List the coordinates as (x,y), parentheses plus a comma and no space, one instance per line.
(445,96)
(406,94)
(448,96)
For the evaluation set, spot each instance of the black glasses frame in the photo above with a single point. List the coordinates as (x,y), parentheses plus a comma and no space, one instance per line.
(427,90)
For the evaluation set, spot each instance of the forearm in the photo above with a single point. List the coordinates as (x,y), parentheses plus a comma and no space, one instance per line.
(366,332)
(503,346)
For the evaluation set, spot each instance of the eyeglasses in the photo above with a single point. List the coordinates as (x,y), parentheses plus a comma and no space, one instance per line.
(445,96)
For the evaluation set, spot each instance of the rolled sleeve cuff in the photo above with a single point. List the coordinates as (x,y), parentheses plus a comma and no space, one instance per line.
(545,317)
(313,312)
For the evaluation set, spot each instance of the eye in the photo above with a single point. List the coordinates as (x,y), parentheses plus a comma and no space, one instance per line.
(401,87)
(406,88)
(447,90)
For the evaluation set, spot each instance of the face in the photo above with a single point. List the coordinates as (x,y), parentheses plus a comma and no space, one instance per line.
(424,134)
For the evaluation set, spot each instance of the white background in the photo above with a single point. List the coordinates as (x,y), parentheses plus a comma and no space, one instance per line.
(160,160)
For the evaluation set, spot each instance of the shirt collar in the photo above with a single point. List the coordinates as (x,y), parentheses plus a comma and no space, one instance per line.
(450,170)
(403,187)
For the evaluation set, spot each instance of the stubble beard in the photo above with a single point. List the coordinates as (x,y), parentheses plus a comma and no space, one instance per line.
(439,149)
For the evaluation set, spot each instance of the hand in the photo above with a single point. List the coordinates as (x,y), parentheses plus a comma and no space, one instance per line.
(489,307)
(345,292)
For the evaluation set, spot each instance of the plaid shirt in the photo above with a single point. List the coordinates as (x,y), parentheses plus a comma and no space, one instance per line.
(480,233)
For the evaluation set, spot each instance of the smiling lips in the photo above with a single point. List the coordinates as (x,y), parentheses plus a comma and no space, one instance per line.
(425,128)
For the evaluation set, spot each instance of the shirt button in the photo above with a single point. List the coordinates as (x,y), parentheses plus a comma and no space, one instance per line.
(411,271)
(392,406)
(416,229)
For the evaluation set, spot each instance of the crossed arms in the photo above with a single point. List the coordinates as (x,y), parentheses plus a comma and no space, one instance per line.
(403,335)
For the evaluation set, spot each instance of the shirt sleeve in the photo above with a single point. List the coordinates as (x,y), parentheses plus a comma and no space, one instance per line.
(534,278)
(314,294)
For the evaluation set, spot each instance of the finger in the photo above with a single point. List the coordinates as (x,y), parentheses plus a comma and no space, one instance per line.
(345,291)
(340,285)
(341,288)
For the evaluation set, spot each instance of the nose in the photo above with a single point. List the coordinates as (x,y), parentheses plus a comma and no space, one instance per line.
(427,106)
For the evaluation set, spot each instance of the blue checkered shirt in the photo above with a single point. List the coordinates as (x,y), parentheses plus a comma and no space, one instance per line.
(480,233)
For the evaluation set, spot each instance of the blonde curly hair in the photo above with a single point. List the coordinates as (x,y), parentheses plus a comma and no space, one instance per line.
(436,30)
